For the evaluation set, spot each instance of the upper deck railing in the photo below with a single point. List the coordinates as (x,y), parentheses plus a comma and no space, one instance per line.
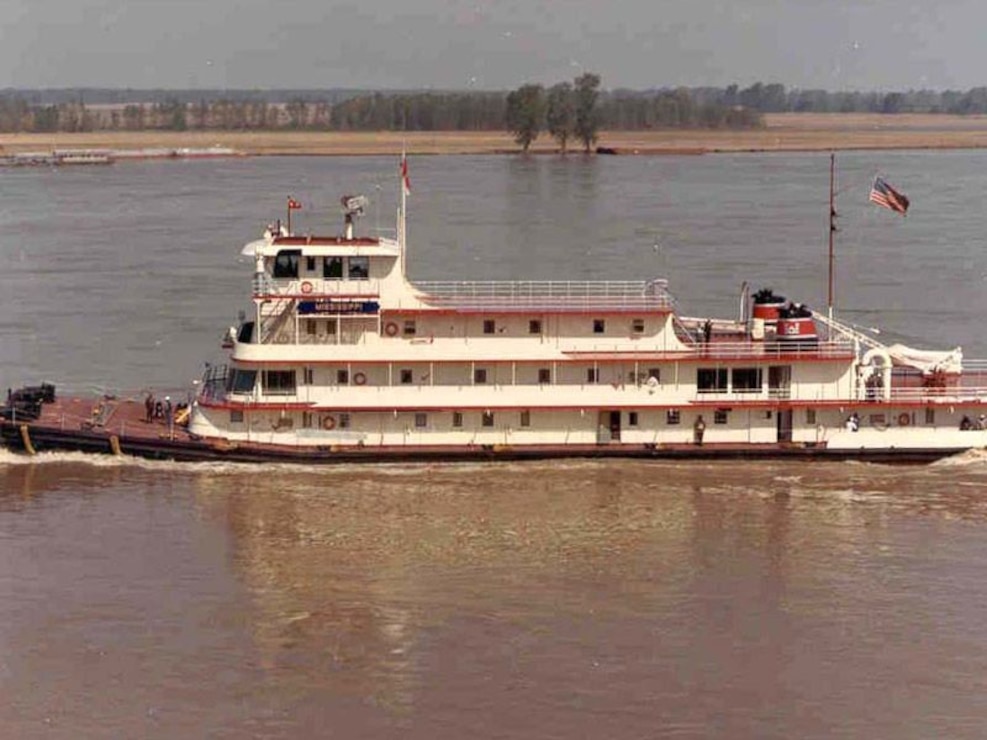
(548,295)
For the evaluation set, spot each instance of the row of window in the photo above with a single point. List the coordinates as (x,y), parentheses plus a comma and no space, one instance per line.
(491,326)
(714,379)
(283,382)
(673,417)
(708,380)
(287,262)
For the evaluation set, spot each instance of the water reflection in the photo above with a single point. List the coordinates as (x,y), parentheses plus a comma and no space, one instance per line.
(353,572)
(488,596)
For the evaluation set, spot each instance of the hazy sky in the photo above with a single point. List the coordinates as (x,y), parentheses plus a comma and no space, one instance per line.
(831,44)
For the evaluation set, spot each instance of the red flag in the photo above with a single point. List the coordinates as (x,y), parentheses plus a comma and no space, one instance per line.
(293,205)
(405,181)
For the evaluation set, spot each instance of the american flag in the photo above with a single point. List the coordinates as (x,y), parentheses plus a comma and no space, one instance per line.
(886,196)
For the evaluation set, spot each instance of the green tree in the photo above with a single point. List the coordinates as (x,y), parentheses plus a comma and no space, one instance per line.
(560,116)
(525,113)
(587,122)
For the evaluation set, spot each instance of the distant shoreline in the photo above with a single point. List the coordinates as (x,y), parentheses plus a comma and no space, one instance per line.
(791,132)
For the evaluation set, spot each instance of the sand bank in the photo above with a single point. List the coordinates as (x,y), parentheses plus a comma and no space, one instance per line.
(783,132)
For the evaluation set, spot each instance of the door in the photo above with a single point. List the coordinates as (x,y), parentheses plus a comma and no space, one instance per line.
(784,417)
(609,427)
(614,426)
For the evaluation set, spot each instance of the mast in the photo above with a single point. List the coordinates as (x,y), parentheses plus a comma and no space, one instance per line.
(832,226)
(403,215)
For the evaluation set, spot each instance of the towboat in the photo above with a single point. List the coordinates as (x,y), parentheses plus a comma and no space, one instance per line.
(344,359)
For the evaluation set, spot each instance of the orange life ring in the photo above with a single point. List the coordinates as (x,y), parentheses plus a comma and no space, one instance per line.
(904,420)
(359,379)
(306,287)
(391,329)
(329,423)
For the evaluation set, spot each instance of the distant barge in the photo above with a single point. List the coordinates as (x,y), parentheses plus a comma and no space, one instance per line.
(65,157)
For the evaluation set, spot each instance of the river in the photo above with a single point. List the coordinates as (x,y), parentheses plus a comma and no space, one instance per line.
(548,600)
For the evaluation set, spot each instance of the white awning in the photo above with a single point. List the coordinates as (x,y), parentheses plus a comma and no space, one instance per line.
(927,361)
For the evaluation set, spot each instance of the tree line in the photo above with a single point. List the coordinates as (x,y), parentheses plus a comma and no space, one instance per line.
(553,108)
(421,111)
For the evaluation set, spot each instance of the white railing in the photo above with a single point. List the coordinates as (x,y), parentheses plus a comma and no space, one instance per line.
(525,295)
(957,394)
(719,350)
(769,349)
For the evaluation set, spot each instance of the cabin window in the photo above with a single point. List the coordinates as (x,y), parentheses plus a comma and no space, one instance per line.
(544,375)
(489,326)
(534,326)
(409,328)
(637,326)
(711,379)
(480,375)
(332,268)
(308,375)
(488,419)
(457,419)
(279,382)
(241,381)
(406,376)
(311,327)
(930,416)
(592,375)
(526,418)
(599,326)
(720,416)
(747,379)
(810,416)
(306,420)
(359,268)
(421,420)
(655,373)
(342,377)
(310,264)
(673,417)
(632,418)
(286,264)
(236,416)
(344,421)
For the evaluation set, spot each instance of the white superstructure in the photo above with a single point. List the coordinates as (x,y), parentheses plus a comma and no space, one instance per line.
(343,351)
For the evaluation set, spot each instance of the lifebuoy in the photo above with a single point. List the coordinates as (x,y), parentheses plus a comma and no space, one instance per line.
(306,287)
(391,329)
(359,378)
(329,423)
(904,420)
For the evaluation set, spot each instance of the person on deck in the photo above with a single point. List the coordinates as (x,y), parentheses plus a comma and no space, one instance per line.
(149,408)
(698,430)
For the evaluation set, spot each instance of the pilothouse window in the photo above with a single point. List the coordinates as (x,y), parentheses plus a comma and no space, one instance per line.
(286,264)
(359,268)
(332,268)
